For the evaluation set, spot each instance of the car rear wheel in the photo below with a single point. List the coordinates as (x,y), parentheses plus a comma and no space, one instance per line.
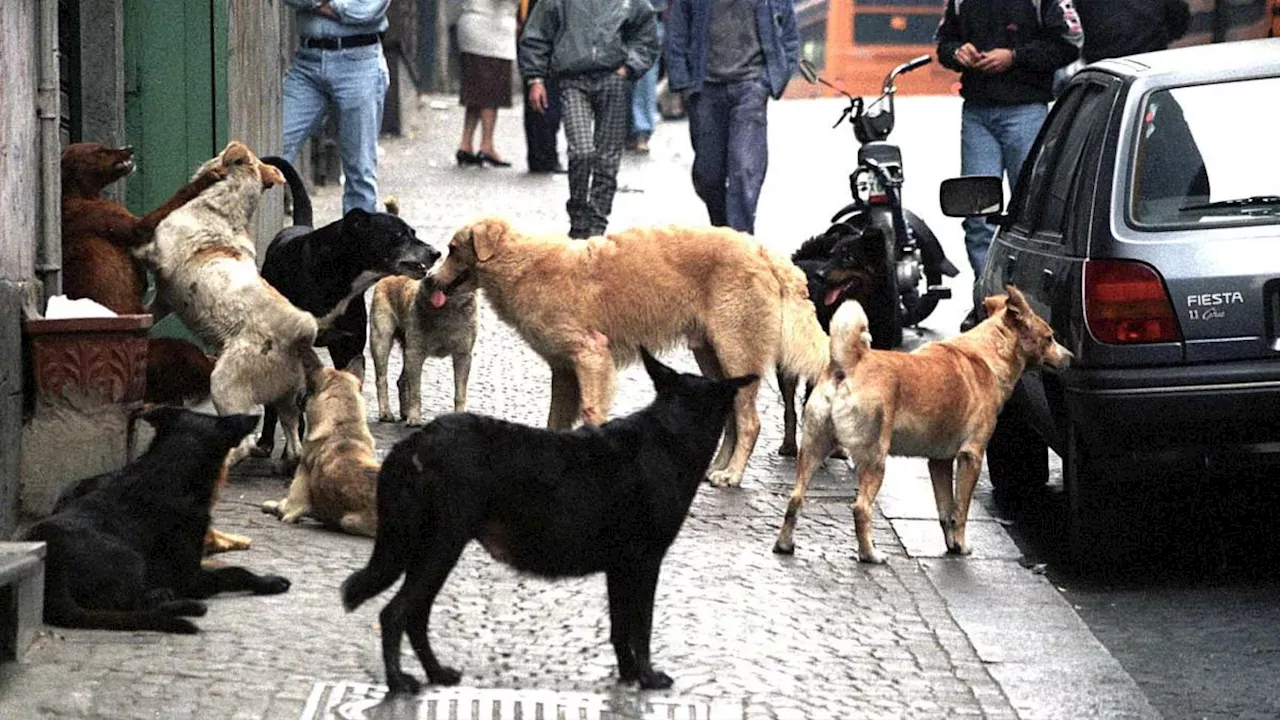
(1097,525)
(1017,458)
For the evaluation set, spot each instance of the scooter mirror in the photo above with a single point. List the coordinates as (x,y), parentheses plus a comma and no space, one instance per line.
(808,71)
(971,195)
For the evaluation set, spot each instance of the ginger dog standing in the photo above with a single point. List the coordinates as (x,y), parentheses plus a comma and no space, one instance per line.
(939,402)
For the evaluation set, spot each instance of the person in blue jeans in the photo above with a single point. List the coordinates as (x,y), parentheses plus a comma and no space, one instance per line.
(644,95)
(1006,52)
(339,64)
(728,57)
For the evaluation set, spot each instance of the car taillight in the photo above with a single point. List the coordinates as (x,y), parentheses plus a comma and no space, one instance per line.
(1126,302)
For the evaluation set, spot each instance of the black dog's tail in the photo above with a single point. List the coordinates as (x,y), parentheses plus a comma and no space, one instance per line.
(61,610)
(301,201)
(400,510)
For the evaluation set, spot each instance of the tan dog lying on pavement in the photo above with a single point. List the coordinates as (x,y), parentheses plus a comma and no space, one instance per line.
(939,402)
(587,306)
(336,480)
(204,261)
(426,324)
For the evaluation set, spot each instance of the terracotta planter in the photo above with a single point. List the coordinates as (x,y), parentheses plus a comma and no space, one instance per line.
(104,359)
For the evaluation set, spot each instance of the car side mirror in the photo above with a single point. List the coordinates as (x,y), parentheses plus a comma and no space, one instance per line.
(971,195)
(808,71)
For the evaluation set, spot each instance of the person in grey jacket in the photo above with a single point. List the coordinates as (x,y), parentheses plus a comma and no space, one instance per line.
(592,48)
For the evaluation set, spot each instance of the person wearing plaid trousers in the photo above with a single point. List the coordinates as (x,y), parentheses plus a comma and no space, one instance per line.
(593,49)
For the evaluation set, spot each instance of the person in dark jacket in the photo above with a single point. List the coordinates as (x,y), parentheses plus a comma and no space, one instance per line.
(1006,52)
(1115,28)
(592,48)
(541,126)
(728,57)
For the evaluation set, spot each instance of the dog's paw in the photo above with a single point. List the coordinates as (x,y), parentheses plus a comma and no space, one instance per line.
(272,585)
(403,683)
(724,478)
(784,548)
(386,417)
(272,507)
(959,549)
(179,626)
(655,680)
(261,451)
(413,421)
(873,557)
(444,676)
(787,448)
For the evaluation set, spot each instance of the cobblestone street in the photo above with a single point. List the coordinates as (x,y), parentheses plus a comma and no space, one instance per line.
(744,633)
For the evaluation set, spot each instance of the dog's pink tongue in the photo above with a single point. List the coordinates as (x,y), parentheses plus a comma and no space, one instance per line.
(437,299)
(831,296)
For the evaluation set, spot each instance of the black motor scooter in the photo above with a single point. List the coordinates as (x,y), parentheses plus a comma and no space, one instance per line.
(914,264)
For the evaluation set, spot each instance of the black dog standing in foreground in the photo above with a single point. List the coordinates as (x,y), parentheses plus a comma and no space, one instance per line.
(126,555)
(326,271)
(555,503)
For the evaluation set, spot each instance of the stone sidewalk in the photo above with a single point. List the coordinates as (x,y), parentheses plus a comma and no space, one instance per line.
(745,633)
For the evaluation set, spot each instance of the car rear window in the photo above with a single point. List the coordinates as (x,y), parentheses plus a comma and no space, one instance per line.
(1208,155)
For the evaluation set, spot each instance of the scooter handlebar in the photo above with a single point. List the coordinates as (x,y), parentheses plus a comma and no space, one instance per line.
(906,67)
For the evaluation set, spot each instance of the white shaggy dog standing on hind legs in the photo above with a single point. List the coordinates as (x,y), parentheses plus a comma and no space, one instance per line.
(204,260)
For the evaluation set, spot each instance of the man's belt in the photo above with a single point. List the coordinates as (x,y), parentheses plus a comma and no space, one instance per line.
(339,43)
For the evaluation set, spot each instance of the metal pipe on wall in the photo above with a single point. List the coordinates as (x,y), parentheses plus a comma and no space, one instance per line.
(49,108)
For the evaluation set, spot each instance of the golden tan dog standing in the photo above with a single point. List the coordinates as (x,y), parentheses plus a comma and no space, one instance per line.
(426,323)
(336,479)
(204,261)
(587,306)
(939,402)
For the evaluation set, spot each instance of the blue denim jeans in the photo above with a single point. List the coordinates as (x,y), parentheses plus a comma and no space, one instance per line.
(644,98)
(994,140)
(728,127)
(353,83)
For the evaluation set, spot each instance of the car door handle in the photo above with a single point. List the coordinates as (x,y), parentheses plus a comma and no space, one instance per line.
(1046,280)
(1010,265)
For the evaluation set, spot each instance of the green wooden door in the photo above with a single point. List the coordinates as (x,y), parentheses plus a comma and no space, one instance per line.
(175,54)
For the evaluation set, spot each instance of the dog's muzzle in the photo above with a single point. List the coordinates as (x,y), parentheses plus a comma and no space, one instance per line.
(412,268)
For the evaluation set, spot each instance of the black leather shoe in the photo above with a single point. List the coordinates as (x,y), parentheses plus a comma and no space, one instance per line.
(467,158)
(484,158)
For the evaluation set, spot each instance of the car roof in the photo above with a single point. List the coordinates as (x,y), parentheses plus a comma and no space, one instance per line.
(1198,63)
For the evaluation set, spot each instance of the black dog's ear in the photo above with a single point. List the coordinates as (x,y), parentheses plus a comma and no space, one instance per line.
(160,416)
(235,427)
(661,375)
(357,217)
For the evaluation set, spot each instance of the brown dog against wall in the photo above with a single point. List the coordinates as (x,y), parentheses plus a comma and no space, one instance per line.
(97,232)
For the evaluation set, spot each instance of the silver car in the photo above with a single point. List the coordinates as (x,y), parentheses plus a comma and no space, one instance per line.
(1146,229)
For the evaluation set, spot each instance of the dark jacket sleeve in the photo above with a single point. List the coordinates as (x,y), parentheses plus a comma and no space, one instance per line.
(949,38)
(1177,18)
(537,40)
(1057,41)
(640,35)
(679,74)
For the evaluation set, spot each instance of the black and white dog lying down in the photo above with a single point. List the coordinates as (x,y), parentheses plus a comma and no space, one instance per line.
(326,271)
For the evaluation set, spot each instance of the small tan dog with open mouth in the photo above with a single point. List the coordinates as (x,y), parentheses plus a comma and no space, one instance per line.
(939,402)
(336,479)
(426,323)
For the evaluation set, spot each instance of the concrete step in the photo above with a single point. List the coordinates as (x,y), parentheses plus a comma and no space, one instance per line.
(21,596)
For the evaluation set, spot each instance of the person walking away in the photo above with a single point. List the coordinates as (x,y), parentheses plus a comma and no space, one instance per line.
(644,95)
(728,57)
(542,153)
(593,48)
(1006,52)
(339,64)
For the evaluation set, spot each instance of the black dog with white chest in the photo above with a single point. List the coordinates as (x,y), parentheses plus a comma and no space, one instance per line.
(326,271)
(126,555)
(552,503)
